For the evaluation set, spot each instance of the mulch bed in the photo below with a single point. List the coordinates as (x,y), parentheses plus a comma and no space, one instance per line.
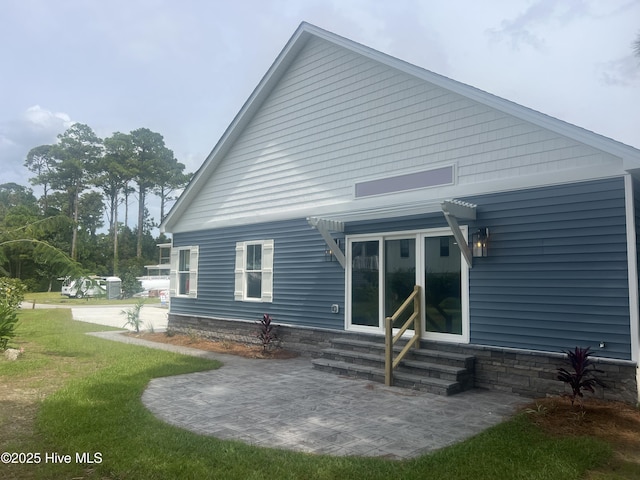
(218,346)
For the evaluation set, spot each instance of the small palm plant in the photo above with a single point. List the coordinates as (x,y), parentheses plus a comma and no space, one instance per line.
(582,375)
(133,316)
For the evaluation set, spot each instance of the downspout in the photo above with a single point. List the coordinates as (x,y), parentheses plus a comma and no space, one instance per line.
(632,262)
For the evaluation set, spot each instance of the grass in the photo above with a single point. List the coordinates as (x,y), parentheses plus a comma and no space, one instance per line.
(75,393)
(55,298)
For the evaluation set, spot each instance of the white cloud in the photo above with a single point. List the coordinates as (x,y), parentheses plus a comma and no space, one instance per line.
(33,127)
(47,120)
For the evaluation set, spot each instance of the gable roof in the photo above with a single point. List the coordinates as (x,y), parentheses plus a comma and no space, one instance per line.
(629,155)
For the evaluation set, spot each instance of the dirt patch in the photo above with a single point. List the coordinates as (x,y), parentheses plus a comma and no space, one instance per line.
(614,422)
(218,346)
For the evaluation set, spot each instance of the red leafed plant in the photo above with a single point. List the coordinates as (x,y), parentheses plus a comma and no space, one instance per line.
(267,334)
(582,375)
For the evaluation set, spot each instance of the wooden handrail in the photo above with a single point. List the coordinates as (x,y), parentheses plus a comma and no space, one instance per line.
(390,340)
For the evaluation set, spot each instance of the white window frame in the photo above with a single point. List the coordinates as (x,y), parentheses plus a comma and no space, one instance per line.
(266,271)
(175,272)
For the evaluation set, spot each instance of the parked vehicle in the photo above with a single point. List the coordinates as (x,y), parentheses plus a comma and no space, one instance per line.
(108,287)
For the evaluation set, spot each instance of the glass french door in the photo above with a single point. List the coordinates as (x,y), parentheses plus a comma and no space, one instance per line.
(442,285)
(384,269)
(383,274)
(365,283)
(399,276)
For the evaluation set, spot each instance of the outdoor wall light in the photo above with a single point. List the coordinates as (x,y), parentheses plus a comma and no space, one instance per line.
(480,241)
(328,255)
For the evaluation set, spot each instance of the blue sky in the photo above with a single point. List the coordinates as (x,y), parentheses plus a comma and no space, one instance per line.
(184,69)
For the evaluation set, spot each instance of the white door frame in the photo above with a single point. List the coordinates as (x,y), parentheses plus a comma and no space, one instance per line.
(419,236)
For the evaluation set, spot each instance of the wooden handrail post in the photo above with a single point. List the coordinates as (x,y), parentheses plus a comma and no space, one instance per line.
(390,339)
(388,352)
(417,325)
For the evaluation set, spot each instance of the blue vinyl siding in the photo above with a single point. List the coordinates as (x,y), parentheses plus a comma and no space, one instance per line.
(305,285)
(556,274)
(555,277)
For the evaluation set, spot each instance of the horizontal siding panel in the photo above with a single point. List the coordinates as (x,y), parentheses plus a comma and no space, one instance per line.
(554,306)
(305,285)
(553,344)
(570,293)
(556,274)
(559,274)
(583,331)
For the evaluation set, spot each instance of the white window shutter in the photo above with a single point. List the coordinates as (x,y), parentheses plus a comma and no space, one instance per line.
(238,293)
(193,272)
(173,272)
(267,271)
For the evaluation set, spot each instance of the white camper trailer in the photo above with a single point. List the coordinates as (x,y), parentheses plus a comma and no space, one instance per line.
(108,287)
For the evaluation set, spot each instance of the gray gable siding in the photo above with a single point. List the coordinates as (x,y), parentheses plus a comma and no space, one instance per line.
(336,118)
(556,275)
(305,285)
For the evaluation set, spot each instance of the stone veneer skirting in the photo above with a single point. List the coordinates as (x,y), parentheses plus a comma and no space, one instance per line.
(523,372)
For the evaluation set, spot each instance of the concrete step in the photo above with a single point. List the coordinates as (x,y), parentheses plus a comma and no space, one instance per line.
(427,355)
(429,369)
(445,358)
(402,379)
(417,367)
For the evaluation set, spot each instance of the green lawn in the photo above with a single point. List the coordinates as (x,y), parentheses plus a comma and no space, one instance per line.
(87,399)
(55,298)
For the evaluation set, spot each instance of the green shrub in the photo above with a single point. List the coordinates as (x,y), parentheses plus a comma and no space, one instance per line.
(12,292)
(11,296)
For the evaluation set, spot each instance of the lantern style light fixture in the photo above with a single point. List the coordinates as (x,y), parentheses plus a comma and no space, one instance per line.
(329,255)
(480,241)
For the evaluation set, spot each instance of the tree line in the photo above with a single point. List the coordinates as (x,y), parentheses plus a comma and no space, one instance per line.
(82,177)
